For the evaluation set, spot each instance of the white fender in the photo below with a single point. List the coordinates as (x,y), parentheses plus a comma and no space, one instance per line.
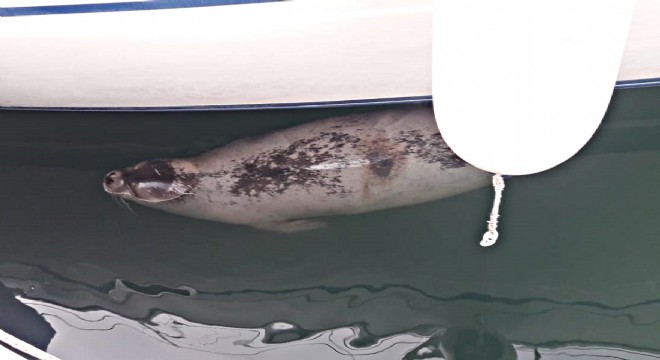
(519,86)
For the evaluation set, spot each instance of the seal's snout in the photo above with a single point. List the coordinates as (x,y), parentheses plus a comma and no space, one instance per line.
(113,182)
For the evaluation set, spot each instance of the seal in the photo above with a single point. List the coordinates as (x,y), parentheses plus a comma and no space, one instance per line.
(283,181)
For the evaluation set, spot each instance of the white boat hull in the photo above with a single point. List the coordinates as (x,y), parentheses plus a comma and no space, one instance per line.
(272,54)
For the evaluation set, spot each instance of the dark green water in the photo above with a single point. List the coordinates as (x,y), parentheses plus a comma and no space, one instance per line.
(577,266)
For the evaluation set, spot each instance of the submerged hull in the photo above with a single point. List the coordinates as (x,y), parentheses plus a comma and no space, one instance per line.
(208,55)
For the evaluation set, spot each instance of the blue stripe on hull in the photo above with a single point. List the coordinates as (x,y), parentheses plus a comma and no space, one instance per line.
(122,6)
(633,84)
(308,105)
(620,85)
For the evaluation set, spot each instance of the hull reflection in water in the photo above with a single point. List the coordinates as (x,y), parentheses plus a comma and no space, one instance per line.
(372,322)
(95,335)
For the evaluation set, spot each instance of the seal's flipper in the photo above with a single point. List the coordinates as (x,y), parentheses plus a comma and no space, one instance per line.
(289,226)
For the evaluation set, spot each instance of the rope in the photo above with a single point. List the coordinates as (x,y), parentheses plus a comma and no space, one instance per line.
(490,236)
(24,347)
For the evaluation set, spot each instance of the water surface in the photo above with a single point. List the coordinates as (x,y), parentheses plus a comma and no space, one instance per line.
(576,273)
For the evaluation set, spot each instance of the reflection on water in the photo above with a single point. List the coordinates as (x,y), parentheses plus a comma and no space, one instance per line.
(575,275)
(165,336)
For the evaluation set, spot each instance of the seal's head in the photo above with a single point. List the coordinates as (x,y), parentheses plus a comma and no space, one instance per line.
(149,181)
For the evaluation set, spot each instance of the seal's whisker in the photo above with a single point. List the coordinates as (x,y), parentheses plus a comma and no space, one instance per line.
(127,205)
(115,199)
(122,203)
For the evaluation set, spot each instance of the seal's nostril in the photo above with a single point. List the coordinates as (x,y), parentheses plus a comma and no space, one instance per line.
(112,179)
